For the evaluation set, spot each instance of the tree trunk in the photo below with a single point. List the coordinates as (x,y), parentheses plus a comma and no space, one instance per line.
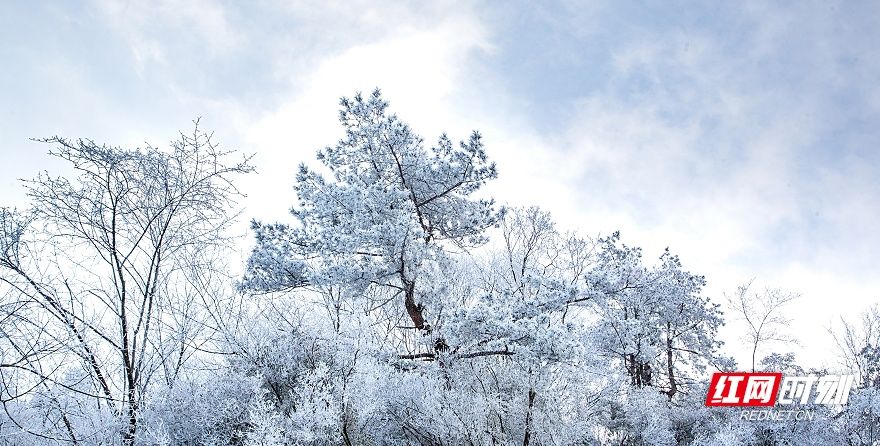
(414,310)
(528,433)
(670,370)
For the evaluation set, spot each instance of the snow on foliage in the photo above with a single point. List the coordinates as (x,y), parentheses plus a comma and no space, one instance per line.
(397,307)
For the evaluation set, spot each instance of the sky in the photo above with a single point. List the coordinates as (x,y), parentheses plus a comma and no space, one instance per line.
(742,135)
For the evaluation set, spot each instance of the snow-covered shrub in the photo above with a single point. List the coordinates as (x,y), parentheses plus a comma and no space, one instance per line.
(210,411)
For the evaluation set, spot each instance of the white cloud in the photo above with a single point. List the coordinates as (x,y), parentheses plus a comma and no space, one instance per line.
(418,70)
(715,145)
(146,26)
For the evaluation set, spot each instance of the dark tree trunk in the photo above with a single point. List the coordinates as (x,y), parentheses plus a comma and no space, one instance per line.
(528,434)
(414,310)
(670,370)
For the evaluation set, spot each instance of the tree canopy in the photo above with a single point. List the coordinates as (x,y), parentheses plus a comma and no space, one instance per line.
(399,305)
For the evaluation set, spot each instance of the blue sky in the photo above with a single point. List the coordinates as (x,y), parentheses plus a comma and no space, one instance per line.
(743,135)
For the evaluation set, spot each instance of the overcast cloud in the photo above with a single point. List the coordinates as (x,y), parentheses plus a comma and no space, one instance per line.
(742,135)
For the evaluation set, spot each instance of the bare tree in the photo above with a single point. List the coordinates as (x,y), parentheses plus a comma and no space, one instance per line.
(114,267)
(763,314)
(857,344)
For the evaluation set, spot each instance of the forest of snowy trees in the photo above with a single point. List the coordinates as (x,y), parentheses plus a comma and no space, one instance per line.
(398,306)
